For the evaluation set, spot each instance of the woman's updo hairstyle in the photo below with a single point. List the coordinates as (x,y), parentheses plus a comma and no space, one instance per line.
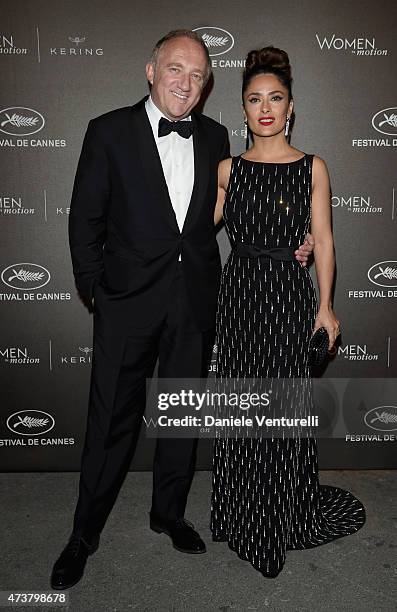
(268,60)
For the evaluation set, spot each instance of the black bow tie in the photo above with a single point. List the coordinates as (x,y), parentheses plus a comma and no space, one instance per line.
(184,128)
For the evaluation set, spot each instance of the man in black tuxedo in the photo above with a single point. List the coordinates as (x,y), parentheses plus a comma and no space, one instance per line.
(146,260)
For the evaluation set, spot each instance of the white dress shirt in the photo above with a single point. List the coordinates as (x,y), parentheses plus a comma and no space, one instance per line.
(177,160)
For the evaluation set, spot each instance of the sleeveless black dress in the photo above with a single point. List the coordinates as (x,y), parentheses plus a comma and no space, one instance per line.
(266,497)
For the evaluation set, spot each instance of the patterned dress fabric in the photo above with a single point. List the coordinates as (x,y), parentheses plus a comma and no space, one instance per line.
(266,496)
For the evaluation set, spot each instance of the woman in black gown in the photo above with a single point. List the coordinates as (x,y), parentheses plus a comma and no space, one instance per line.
(266,496)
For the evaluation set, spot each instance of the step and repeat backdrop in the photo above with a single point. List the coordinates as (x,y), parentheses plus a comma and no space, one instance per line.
(62,64)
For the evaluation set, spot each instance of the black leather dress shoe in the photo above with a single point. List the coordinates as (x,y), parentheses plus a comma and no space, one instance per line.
(182,534)
(69,568)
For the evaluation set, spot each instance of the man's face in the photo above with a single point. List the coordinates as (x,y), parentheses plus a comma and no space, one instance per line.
(178,77)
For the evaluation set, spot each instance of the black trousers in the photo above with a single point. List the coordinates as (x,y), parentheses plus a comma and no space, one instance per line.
(116,406)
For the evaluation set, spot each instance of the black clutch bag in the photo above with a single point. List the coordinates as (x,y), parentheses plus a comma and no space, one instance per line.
(318,347)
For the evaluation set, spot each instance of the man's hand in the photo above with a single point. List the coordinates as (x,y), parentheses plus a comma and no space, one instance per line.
(305,250)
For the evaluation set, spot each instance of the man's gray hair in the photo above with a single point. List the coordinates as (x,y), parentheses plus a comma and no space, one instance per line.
(182,34)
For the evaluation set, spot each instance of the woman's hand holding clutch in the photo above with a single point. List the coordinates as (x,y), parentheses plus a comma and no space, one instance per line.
(327,318)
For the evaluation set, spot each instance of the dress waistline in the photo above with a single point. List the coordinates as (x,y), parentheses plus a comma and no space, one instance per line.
(254,251)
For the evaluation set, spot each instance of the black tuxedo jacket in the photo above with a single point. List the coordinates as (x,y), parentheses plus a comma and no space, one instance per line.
(123,234)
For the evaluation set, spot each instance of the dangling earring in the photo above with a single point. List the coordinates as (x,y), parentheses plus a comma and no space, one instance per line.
(286,126)
(247,135)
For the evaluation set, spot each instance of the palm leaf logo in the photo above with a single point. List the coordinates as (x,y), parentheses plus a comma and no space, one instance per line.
(31,422)
(387,272)
(385,417)
(19,120)
(25,276)
(391,120)
(215,41)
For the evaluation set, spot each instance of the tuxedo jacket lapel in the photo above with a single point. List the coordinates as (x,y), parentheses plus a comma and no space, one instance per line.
(201,170)
(142,135)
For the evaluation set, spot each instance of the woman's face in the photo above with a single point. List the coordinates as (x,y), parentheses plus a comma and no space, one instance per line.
(266,105)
